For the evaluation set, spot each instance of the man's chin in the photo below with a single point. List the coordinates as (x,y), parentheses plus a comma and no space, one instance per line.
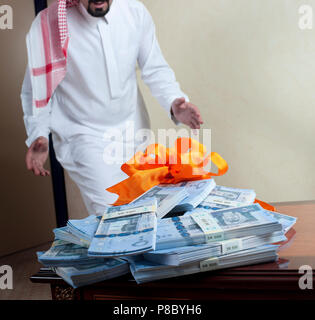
(98,12)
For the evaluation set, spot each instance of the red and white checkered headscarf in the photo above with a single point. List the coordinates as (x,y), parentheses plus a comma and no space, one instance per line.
(62,18)
(47,45)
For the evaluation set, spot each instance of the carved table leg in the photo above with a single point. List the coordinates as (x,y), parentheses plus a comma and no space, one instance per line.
(63,293)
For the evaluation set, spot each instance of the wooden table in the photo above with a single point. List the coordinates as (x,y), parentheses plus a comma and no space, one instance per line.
(278,280)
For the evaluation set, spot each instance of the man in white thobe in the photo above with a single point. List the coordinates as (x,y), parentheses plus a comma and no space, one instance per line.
(100,94)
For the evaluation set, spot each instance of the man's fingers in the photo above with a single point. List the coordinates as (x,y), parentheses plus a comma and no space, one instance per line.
(197,120)
(194,124)
(35,168)
(41,169)
(198,117)
(28,161)
(197,123)
(196,114)
(36,171)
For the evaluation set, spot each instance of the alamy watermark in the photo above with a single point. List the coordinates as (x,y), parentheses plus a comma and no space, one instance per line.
(306,17)
(6,17)
(306,280)
(122,143)
(6,278)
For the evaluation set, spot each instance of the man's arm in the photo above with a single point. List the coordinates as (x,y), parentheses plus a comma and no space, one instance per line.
(37,128)
(160,78)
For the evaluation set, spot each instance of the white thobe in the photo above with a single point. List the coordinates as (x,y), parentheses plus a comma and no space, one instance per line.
(100,94)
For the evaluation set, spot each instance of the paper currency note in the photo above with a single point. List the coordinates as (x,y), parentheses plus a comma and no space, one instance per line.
(125,235)
(231,196)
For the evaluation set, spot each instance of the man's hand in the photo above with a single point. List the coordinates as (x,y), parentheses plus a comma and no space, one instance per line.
(36,157)
(187,113)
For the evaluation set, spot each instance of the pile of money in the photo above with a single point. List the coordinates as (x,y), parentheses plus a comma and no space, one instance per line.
(169,231)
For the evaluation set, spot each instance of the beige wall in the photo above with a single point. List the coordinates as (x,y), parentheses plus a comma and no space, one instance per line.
(27,211)
(251,71)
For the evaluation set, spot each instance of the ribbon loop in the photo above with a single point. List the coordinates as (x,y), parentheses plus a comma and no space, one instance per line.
(158,164)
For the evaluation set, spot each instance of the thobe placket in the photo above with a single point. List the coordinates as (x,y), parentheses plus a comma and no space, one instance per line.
(111,63)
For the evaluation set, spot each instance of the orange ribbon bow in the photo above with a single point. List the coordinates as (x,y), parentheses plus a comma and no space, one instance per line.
(165,165)
(168,165)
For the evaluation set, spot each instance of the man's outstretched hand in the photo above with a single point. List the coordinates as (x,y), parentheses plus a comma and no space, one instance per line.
(187,113)
(36,157)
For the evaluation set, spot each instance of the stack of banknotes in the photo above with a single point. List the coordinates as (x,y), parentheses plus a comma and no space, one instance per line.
(169,231)
(64,254)
(168,196)
(126,230)
(82,275)
(146,271)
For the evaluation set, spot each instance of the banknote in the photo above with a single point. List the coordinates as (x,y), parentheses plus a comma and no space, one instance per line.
(211,206)
(63,253)
(139,207)
(146,271)
(64,234)
(202,226)
(188,254)
(125,235)
(231,197)
(287,222)
(78,276)
(198,190)
(167,196)
(84,228)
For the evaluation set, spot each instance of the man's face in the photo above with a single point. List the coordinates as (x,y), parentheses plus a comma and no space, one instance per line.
(97,8)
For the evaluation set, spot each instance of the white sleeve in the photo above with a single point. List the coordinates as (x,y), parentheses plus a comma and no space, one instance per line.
(36,125)
(155,71)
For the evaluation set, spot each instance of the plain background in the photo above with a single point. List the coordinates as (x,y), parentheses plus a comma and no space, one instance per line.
(245,64)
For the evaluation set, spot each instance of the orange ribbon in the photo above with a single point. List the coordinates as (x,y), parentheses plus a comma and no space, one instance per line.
(165,165)
(265,205)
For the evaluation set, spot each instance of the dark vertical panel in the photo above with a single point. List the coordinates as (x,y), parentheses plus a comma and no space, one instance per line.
(57,173)
(59,187)
(40,5)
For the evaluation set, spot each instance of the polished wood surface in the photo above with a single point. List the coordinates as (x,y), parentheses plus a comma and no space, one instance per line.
(278,280)
(300,249)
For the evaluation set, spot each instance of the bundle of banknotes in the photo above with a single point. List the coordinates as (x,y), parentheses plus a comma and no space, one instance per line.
(126,230)
(169,231)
